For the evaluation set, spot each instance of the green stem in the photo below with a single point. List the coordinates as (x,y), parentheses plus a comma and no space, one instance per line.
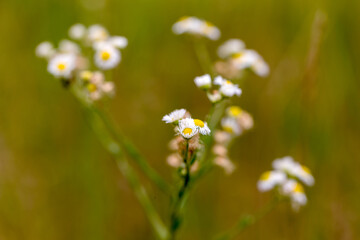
(203,56)
(248,220)
(181,198)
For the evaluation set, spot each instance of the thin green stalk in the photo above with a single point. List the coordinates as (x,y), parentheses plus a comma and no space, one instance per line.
(99,127)
(203,56)
(248,220)
(180,201)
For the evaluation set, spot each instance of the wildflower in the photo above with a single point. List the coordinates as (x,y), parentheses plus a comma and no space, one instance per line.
(270,179)
(174,160)
(174,116)
(67,46)
(97,33)
(107,57)
(86,75)
(234,111)
(222,137)
(225,163)
(77,31)
(203,82)
(197,27)
(285,164)
(250,59)
(230,47)
(202,126)
(227,88)
(231,126)
(303,174)
(45,50)
(62,65)
(187,128)
(220,150)
(118,41)
(98,87)
(295,191)
(214,96)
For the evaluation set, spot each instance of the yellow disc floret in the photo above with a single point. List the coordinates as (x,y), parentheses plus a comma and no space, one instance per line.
(298,188)
(91,87)
(265,176)
(234,111)
(199,123)
(105,55)
(61,66)
(187,131)
(306,169)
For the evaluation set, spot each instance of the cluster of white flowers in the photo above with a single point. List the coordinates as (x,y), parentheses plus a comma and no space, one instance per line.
(197,27)
(240,58)
(69,64)
(286,178)
(218,89)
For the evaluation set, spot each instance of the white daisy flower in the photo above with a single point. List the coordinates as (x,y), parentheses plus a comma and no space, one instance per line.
(107,57)
(252,60)
(174,116)
(202,126)
(97,33)
(45,50)
(286,164)
(227,88)
(230,125)
(67,46)
(77,31)
(303,173)
(187,128)
(270,179)
(214,96)
(234,111)
(98,87)
(261,68)
(62,65)
(230,47)
(118,41)
(203,82)
(195,26)
(295,191)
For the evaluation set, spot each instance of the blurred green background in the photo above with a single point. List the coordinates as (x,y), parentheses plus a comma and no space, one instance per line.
(57,182)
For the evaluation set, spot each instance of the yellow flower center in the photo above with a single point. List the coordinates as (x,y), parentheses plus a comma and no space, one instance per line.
(86,75)
(298,188)
(234,111)
(228,129)
(105,55)
(187,131)
(199,123)
(91,87)
(265,176)
(306,169)
(61,66)
(237,55)
(228,82)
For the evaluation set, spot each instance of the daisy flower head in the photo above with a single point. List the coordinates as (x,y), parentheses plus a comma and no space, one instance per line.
(214,96)
(250,59)
(285,164)
(202,126)
(107,56)
(62,65)
(227,88)
(174,116)
(45,50)
(67,46)
(197,27)
(231,126)
(77,31)
(234,111)
(97,33)
(230,47)
(268,180)
(303,173)
(203,82)
(118,41)
(187,128)
(98,87)
(295,191)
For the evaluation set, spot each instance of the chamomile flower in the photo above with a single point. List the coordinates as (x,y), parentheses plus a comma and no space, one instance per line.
(234,111)
(62,65)
(231,126)
(203,82)
(197,27)
(250,59)
(77,31)
(202,126)
(230,47)
(174,116)
(286,164)
(107,57)
(67,46)
(227,88)
(98,87)
(270,179)
(303,174)
(118,41)
(45,50)
(295,191)
(214,96)
(97,33)
(187,128)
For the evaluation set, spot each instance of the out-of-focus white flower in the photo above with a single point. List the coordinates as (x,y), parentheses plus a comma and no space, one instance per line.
(222,137)
(230,125)
(250,59)
(118,41)
(86,75)
(225,163)
(203,82)
(295,191)
(220,150)
(107,57)
(196,26)
(214,96)
(230,47)
(227,88)
(98,87)
(187,128)
(67,46)
(77,31)
(174,116)
(62,65)
(174,160)
(304,174)
(270,179)
(45,50)
(203,127)
(97,33)
(285,164)
(234,111)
